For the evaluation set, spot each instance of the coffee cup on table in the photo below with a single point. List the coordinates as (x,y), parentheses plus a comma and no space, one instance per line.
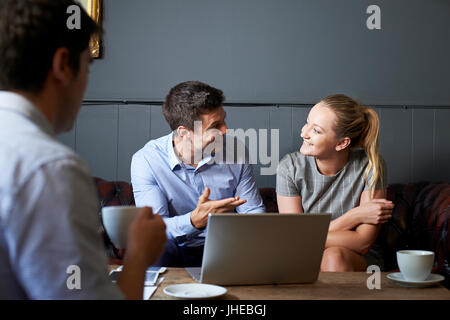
(415,265)
(117,221)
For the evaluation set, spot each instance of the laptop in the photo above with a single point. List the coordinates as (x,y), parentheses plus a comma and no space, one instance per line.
(246,249)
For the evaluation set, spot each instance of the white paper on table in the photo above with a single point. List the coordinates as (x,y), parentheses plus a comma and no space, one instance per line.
(150,290)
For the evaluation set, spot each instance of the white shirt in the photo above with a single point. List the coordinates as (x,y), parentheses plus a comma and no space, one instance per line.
(48,213)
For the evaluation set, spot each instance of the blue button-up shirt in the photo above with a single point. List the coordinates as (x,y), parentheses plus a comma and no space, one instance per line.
(162,181)
(50,246)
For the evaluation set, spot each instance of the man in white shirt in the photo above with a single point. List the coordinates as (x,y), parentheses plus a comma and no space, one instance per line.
(48,203)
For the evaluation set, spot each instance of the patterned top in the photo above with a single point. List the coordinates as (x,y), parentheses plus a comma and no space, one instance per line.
(297,175)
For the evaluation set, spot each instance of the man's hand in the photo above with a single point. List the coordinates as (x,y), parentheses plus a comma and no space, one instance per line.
(146,237)
(376,211)
(199,217)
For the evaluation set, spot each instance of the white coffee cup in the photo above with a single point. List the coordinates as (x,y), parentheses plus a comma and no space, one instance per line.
(415,265)
(117,220)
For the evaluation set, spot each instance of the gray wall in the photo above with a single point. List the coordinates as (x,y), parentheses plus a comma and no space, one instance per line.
(288,54)
(277,51)
(415,142)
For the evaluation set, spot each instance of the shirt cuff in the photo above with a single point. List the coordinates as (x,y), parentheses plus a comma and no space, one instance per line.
(186,225)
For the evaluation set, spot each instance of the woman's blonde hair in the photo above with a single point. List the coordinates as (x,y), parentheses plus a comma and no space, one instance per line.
(361,125)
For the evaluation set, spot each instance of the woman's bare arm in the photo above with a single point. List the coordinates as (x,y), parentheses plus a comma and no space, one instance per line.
(369,211)
(361,239)
(347,221)
(289,204)
(340,235)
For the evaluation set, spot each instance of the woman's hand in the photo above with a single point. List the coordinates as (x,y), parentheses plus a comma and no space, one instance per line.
(375,211)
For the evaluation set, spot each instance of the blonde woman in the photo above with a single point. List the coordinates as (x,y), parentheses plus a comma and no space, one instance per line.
(338,170)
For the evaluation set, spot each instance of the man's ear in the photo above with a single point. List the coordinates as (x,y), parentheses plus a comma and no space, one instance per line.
(343,143)
(183,132)
(61,68)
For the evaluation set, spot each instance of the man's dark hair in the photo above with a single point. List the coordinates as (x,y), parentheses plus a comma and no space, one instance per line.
(30,33)
(187,101)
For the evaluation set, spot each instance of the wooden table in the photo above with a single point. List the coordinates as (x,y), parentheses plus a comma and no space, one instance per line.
(335,286)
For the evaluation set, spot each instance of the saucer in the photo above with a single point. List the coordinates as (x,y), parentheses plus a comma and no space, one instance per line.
(431,280)
(194,291)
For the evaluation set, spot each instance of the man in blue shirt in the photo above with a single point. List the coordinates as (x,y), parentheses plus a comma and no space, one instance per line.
(49,223)
(183,183)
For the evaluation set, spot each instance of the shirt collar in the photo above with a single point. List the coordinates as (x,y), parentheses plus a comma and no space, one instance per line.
(172,157)
(13,102)
(174,160)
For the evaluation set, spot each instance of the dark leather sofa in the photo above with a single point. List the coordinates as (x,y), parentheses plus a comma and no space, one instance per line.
(420,219)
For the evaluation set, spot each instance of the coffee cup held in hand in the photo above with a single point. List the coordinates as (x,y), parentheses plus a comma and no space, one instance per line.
(117,221)
(415,265)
